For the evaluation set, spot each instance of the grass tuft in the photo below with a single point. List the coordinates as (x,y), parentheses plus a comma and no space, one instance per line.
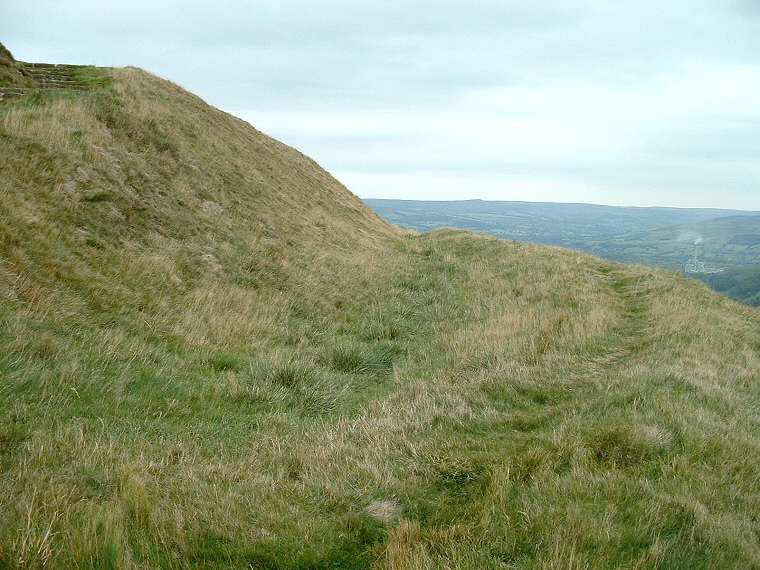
(351,358)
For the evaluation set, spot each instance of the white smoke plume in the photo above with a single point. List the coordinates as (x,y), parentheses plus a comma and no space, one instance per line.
(690,236)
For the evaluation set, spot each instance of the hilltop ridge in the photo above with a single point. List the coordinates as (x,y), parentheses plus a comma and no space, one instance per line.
(214,355)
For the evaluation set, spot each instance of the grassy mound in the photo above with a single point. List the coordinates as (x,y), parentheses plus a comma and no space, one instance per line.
(213,355)
(12,74)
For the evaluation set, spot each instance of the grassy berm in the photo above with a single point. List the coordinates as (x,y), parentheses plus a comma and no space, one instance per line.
(13,74)
(213,355)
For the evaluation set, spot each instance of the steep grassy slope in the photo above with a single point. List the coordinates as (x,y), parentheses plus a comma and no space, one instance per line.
(212,355)
(12,74)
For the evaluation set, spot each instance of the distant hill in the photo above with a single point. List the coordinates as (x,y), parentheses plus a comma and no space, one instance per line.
(540,222)
(214,355)
(742,283)
(664,237)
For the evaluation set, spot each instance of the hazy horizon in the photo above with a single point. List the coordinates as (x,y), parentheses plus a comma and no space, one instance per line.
(561,203)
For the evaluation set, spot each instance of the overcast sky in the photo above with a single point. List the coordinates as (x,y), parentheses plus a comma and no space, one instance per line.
(646,103)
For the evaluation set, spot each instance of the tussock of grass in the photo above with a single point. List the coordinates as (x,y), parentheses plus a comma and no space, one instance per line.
(353,358)
(213,355)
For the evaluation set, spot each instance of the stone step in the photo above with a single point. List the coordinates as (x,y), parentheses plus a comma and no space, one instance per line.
(48,76)
(50,66)
(52,71)
(56,80)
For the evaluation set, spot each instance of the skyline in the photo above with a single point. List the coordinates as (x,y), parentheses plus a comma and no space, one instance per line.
(640,104)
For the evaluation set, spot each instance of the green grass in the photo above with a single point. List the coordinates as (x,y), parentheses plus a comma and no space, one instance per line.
(212,355)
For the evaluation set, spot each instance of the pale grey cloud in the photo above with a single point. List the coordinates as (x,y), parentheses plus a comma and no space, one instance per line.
(595,100)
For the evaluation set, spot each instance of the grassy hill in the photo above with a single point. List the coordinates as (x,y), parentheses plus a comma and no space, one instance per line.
(213,355)
(663,237)
(12,74)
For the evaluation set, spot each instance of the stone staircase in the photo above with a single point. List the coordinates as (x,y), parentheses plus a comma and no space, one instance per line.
(48,76)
